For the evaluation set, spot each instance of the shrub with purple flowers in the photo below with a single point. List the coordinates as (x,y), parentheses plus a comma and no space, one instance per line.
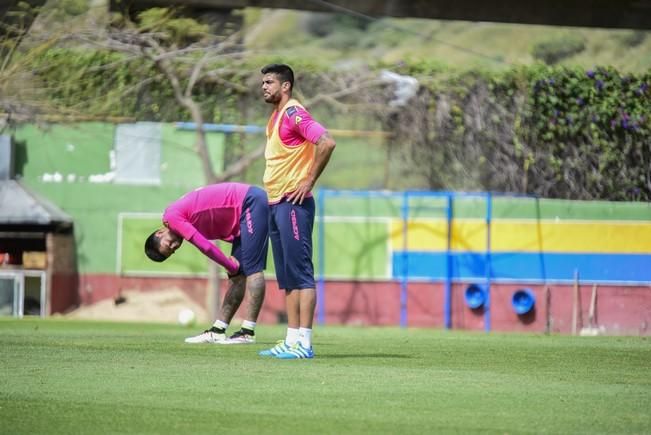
(605,141)
(552,131)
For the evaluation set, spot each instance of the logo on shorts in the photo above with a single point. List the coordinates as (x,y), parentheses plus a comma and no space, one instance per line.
(249,221)
(292,215)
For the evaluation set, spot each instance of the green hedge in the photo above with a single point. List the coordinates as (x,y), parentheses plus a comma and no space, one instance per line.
(553,131)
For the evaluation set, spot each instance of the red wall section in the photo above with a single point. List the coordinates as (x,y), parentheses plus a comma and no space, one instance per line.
(94,288)
(66,295)
(620,310)
(361,303)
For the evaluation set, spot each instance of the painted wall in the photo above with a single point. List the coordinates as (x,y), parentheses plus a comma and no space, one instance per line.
(618,310)
(83,150)
(366,248)
(531,240)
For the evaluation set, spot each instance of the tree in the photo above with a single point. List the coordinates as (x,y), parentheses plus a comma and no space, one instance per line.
(184,52)
(29,29)
(18,91)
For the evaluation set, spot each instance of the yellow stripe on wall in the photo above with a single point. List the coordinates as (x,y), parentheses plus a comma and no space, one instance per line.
(431,235)
(525,236)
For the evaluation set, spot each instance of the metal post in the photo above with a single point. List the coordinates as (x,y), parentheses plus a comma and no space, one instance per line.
(405,259)
(21,295)
(487,263)
(320,288)
(447,301)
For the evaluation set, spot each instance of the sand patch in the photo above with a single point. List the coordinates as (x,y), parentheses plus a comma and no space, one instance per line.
(159,306)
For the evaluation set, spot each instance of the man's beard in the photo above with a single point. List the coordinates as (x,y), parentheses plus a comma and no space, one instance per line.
(272,98)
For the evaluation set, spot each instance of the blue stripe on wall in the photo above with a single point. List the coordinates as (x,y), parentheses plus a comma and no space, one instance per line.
(527,266)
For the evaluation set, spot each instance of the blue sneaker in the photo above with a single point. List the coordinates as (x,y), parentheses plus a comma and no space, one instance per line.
(297,352)
(279,348)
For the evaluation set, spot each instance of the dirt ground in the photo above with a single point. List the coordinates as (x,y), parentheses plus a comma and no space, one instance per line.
(161,307)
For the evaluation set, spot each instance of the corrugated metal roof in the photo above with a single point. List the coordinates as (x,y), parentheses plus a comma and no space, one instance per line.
(19,205)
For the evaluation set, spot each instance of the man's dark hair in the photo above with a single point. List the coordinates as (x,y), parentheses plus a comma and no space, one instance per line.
(152,248)
(284,72)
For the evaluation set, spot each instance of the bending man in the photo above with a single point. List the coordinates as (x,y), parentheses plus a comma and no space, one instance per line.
(232,212)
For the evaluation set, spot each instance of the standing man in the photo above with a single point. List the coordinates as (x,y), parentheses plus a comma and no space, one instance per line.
(298,149)
(233,212)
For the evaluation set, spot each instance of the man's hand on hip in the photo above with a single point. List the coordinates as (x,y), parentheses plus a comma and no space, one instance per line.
(299,195)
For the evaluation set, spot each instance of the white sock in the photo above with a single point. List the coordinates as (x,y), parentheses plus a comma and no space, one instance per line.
(220,324)
(305,337)
(247,324)
(292,336)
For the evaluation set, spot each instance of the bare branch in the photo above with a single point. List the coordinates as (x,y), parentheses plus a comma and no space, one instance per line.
(194,76)
(241,165)
(351,90)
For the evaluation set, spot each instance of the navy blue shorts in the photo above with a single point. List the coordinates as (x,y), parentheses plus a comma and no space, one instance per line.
(251,247)
(290,231)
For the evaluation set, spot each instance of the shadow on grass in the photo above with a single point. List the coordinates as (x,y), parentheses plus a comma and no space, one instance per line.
(364,355)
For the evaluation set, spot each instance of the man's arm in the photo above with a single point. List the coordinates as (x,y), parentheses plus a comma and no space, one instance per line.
(214,253)
(324,148)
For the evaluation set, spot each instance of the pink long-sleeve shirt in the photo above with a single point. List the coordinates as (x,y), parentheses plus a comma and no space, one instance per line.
(209,213)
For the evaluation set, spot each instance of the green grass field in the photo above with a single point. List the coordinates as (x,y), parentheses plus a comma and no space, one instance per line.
(61,376)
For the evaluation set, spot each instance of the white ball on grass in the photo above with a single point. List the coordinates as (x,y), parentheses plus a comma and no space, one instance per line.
(186,317)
